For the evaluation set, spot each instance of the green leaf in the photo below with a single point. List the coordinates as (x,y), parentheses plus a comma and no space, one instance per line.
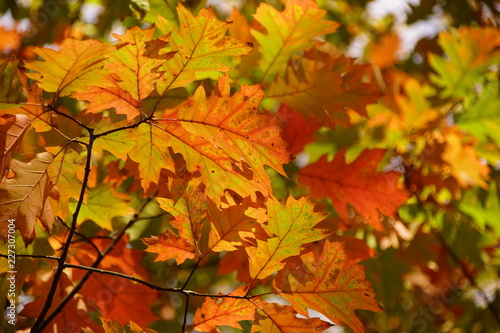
(103,205)
(486,214)
(482,116)
(469,53)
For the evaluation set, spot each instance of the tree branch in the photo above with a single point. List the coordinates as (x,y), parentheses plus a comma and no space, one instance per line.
(40,323)
(159,288)
(96,263)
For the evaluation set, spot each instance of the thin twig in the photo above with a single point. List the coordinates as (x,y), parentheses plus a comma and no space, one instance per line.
(192,272)
(85,238)
(184,322)
(159,288)
(76,121)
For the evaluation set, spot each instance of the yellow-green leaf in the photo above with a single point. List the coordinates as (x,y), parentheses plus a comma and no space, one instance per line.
(288,32)
(289,227)
(76,66)
(200,44)
(327,285)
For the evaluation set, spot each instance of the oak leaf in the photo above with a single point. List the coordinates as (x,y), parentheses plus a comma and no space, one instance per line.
(325,86)
(12,129)
(24,197)
(233,226)
(383,52)
(297,131)
(459,149)
(325,283)
(76,66)
(132,74)
(63,171)
(227,140)
(12,90)
(103,204)
(188,208)
(358,184)
(117,298)
(224,312)
(287,32)
(482,117)
(274,318)
(168,245)
(290,227)
(200,44)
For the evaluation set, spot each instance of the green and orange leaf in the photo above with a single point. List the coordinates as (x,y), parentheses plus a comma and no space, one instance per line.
(326,284)
(226,139)
(287,32)
(470,52)
(200,44)
(290,228)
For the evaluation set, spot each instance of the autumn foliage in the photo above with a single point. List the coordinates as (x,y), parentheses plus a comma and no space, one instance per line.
(159,180)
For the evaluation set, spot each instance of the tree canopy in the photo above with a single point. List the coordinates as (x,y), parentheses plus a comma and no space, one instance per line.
(255,166)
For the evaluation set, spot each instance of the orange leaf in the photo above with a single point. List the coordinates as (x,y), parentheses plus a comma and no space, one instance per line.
(168,245)
(110,97)
(382,53)
(232,226)
(11,39)
(223,312)
(357,184)
(117,298)
(325,283)
(297,131)
(12,129)
(274,317)
(325,86)
(188,210)
(227,140)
